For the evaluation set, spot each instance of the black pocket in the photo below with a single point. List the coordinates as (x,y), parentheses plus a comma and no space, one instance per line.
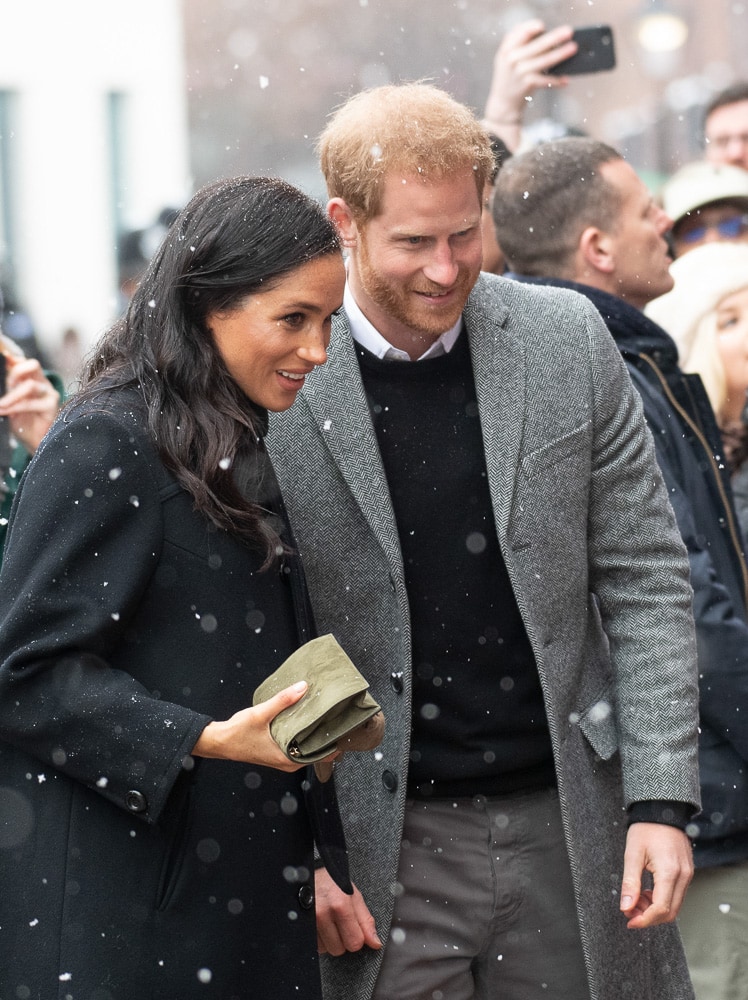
(176,831)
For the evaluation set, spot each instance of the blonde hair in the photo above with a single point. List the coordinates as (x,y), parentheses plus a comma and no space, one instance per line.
(704,359)
(703,278)
(412,127)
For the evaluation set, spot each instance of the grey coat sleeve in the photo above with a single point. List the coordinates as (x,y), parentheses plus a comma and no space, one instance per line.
(640,574)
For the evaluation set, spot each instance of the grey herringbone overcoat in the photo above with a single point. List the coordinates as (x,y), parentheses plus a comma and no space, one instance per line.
(601,580)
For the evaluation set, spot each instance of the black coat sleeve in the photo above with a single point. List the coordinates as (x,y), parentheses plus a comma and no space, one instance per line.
(84,540)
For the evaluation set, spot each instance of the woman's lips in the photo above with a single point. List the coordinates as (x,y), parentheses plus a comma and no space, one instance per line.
(292,380)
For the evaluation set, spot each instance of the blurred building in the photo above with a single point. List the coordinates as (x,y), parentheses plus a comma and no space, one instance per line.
(112,113)
(264,75)
(93,142)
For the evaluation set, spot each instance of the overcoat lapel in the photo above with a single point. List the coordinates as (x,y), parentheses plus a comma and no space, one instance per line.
(337,401)
(336,398)
(499,370)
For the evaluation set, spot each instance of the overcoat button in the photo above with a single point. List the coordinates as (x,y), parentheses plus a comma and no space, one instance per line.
(306,897)
(136,801)
(396,680)
(389,780)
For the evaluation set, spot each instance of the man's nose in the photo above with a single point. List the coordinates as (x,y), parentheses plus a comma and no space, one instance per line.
(664,222)
(736,151)
(442,268)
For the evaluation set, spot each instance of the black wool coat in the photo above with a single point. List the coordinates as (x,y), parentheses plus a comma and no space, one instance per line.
(130,869)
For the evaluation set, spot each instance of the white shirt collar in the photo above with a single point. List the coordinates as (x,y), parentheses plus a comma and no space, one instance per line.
(365,334)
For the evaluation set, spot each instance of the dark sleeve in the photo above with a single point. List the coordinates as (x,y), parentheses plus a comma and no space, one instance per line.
(678,814)
(84,541)
(740,496)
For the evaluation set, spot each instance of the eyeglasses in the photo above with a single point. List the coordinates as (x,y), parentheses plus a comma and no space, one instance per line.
(728,229)
(723,141)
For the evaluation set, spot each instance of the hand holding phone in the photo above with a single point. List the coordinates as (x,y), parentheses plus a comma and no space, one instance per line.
(595,52)
(520,68)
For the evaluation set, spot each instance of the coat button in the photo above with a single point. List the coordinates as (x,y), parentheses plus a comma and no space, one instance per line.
(396,681)
(389,780)
(136,801)
(306,897)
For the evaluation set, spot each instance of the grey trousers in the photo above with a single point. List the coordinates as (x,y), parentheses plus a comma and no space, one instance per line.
(485,907)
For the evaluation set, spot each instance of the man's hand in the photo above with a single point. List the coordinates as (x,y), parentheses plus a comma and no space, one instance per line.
(520,67)
(343,922)
(665,852)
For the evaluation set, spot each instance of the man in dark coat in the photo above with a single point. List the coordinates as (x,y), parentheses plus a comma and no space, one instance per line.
(574,214)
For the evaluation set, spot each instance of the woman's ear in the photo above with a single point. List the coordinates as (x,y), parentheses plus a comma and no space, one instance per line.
(345,224)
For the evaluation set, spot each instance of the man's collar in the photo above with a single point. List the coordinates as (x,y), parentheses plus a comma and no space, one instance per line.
(632,330)
(365,334)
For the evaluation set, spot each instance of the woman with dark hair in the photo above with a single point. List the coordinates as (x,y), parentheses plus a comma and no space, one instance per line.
(154,840)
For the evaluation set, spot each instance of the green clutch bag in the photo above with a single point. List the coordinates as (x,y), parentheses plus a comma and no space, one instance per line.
(336,713)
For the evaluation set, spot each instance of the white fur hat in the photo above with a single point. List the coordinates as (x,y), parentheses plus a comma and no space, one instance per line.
(703,277)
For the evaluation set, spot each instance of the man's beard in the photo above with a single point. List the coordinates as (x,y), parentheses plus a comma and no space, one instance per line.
(401,303)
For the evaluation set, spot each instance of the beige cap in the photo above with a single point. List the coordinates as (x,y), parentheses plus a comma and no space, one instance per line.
(699,184)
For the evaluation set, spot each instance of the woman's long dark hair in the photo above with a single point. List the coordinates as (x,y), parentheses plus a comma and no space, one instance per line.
(236,237)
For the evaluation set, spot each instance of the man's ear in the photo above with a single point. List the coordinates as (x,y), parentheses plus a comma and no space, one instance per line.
(596,252)
(345,224)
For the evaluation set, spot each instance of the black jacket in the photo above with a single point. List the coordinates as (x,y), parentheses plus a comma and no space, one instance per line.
(689,450)
(129,868)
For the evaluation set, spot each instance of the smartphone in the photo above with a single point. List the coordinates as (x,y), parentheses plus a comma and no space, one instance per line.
(596,52)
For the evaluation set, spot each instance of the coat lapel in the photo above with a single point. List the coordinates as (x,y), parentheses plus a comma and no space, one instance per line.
(499,369)
(337,401)
(335,396)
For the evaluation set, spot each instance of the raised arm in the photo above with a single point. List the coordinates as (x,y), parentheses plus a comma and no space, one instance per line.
(520,67)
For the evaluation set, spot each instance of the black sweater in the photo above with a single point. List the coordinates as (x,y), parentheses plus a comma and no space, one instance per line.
(479,724)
